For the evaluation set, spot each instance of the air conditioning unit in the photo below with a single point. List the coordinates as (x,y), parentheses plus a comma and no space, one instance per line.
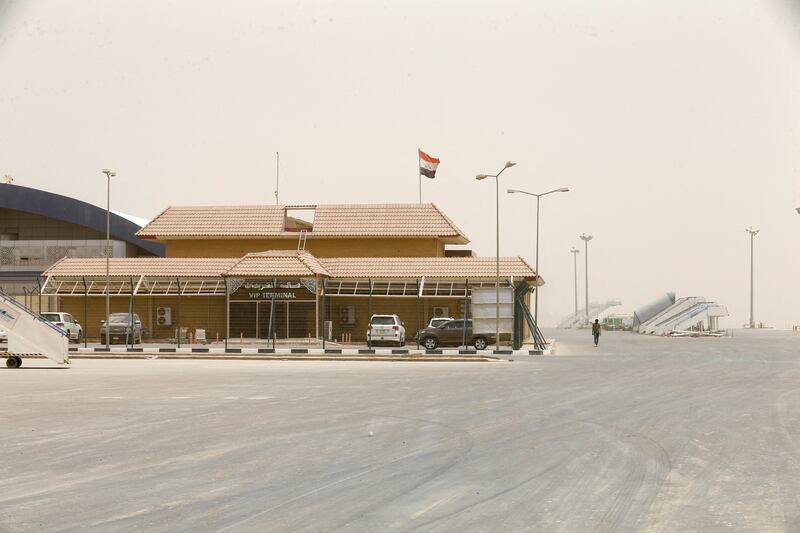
(441,312)
(164,316)
(347,315)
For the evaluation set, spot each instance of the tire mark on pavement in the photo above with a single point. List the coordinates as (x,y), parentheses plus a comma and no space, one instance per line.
(360,473)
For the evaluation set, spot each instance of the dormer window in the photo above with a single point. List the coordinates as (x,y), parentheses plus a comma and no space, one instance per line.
(299,218)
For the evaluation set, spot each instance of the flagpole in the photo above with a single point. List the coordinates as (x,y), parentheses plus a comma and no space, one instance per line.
(277,175)
(419,172)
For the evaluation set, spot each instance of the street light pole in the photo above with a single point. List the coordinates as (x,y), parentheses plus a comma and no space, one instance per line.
(753,233)
(496,177)
(575,253)
(109,174)
(586,238)
(538,196)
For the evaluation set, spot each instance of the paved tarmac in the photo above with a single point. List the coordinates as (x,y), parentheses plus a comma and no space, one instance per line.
(639,434)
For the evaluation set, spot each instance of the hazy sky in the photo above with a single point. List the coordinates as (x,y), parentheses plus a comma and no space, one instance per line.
(676,123)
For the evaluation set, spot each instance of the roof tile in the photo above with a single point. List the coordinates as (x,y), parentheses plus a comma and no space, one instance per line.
(283,263)
(430,267)
(330,220)
(278,263)
(73,267)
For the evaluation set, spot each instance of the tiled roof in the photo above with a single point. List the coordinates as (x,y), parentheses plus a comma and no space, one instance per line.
(343,220)
(277,264)
(430,267)
(283,263)
(197,267)
(384,220)
(214,221)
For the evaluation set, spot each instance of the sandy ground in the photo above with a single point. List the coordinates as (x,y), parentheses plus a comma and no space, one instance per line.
(639,434)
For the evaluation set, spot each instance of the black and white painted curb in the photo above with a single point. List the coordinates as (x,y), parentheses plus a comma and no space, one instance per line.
(304,351)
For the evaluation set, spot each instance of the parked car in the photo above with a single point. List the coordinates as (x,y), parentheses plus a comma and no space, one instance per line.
(3,336)
(121,329)
(436,322)
(386,328)
(66,322)
(452,334)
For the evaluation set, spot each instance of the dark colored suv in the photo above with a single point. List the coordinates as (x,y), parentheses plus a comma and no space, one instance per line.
(452,334)
(121,328)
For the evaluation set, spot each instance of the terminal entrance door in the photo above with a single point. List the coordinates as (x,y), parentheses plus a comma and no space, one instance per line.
(243,319)
(278,324)
(293,320)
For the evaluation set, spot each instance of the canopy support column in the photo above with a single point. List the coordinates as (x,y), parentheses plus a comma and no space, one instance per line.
(178,336)
(419,328)
(227,313)
(85,311)
(272,313)
(130,333)
(39,283)
(323,314)
(369,316)
(466,312)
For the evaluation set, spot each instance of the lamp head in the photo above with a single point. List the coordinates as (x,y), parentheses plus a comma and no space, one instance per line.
(563,189)
(109,173)
(585,237)
(512,191)
(509,164)
(481,176)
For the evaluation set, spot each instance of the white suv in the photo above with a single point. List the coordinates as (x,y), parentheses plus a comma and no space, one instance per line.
(66,322)
(386,328)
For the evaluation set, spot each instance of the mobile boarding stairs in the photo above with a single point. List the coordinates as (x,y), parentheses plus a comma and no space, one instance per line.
(30,334)
(582,318)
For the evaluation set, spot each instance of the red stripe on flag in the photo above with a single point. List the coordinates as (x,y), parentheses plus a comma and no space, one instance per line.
(427,158)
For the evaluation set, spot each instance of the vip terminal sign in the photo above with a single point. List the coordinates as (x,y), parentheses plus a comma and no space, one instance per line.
(255,290)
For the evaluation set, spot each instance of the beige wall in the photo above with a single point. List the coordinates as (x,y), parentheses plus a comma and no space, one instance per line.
(208,312)
(405,308)
(360,247)
(197,312)
(32,302)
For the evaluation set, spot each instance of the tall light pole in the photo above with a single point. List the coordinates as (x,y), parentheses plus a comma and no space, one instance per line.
(575,253)
(109,174)
(586,238)
(538,196)
(753,233)
(496,177)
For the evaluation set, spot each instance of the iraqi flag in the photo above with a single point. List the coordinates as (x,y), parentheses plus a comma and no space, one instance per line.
(427,165)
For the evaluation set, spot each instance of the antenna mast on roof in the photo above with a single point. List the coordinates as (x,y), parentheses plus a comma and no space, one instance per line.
(277,175)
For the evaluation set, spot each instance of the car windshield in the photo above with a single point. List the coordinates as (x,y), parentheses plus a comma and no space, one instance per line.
(383,321)
(51,317)
(120,319)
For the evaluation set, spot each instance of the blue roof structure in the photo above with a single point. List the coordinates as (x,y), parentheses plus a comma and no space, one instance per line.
(74,211)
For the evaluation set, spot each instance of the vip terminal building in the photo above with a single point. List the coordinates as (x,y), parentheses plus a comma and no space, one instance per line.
(288,272)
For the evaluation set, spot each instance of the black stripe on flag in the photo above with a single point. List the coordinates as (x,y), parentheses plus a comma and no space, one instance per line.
(427,172)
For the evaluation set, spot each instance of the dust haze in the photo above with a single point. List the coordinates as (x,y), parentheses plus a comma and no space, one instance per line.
(674,123)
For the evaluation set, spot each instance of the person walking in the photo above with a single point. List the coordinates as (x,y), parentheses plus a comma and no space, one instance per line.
(596,331)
